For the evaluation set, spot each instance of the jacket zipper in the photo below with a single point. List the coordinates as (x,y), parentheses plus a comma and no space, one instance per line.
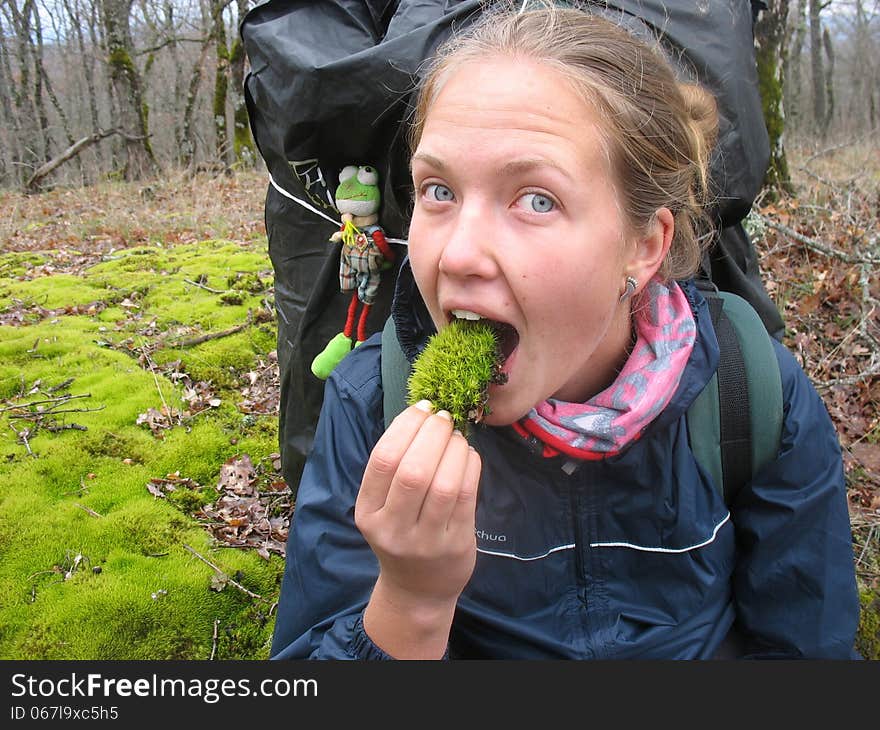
(581,581)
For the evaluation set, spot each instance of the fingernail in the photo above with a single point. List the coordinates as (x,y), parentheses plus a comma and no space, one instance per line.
(458,433)
(425,405)
(445,414)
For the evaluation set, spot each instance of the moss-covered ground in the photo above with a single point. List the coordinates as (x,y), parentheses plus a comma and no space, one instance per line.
(139,319)
(95,565)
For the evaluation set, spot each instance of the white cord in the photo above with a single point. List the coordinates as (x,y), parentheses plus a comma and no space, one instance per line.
(313,209)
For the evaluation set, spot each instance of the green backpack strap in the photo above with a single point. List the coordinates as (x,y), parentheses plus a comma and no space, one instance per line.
(395,372)
(735,424)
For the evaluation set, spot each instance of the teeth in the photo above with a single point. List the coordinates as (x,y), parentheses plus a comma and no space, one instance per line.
(465,314)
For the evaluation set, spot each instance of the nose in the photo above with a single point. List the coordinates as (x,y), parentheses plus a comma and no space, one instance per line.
(471,247)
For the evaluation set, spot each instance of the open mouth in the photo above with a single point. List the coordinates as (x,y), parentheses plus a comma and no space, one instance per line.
(506,334)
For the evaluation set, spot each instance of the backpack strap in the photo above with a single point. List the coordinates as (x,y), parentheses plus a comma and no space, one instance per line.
(735,424)
(395,372)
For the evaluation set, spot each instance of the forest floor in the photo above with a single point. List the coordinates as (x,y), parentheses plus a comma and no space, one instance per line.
(820,257)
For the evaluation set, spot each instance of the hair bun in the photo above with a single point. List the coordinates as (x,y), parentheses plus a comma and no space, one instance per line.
(702,109)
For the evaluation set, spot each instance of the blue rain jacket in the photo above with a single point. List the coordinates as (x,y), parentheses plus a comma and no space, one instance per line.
(635,556)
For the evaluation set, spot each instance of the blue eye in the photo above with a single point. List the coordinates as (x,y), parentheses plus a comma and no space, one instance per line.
(438,192)
(538,203)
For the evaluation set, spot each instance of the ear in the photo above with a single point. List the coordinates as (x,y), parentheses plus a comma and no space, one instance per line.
(650,250)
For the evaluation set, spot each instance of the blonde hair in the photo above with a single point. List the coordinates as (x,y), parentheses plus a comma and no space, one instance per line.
(658,131)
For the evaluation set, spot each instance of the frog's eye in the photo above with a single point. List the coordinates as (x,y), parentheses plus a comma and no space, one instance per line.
(368,175)
(349,171)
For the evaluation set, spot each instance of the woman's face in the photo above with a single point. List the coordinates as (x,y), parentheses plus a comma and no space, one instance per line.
(516,219)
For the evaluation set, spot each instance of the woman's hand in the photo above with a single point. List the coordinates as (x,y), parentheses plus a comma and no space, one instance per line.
(416,509)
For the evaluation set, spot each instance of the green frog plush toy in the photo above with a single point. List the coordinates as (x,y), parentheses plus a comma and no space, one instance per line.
(365,254)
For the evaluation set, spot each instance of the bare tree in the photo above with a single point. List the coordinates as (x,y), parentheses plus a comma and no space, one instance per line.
(829,81)
(77,20)
(11,164)
(817,67)
(770,54)
(243,141)
(796,31)
(24,105)
(125,83)
(221,80)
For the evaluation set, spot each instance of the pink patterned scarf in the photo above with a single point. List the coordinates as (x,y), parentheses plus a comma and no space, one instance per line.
(665,334)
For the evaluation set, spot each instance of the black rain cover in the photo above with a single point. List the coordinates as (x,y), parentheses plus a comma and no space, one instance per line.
(329,85)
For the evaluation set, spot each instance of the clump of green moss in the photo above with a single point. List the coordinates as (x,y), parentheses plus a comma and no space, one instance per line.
(868,637)
(247,281)
(455,369)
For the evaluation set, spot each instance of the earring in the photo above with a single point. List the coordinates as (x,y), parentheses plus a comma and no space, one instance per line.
(631,284)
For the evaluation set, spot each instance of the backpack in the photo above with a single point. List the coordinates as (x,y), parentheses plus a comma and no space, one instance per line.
(330,85)
(734,424)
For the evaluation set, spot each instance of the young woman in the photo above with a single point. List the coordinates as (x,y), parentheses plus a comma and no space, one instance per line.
(560,173)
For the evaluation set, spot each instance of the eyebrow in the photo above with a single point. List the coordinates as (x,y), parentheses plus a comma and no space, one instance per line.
(514,167)
(527,164)
(434,162)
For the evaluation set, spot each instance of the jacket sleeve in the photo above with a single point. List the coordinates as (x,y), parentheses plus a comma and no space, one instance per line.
(330,570)
(794,584)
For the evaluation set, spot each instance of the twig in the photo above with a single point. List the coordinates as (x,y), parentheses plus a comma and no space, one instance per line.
(156,381)
(819,248)
(82,488)
(33,416)
(223,575)
(65,427)
(59,400)
(90,511)
(851,379)
(61,386)
(867,543)
(835,148)
(858,329)
(22,436)
(71,152)
(212,336)
(214,639)
(206,288)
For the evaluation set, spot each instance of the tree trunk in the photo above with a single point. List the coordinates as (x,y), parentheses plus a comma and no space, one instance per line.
(34,43)
(171,32)
(829,82)
(11,162)
(125,85)
(187,141)
(221,81)
(817,67)
(242,141)
(24,108)
(770,55)
(40,69)
(88,66)
(794,62)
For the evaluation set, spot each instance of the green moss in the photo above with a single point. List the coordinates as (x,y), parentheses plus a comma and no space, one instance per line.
(455,369)
(150,598)
(120,60)
(16,264)
(868,637)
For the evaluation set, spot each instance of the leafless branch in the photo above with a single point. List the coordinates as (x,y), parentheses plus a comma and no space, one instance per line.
(86,509)
(214,639)
(206,288)
(814,245)
(223,575)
